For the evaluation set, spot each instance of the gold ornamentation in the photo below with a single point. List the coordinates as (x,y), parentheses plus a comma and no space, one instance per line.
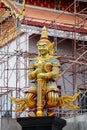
(44,70)
(66,101)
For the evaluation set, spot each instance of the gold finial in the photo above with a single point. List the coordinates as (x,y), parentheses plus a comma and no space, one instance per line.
(44,33)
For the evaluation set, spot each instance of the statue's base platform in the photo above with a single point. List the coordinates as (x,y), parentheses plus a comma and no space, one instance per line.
(41,123)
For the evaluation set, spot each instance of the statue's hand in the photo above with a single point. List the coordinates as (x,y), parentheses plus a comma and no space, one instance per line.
(41,76)
(44,76)
(38,70)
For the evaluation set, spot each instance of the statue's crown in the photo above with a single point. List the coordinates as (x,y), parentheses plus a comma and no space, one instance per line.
(44,37)
(44,34)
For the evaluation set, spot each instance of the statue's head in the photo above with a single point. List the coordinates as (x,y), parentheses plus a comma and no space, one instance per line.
(45,43)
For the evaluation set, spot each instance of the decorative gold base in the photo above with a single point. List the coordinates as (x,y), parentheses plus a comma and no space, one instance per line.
(39,113)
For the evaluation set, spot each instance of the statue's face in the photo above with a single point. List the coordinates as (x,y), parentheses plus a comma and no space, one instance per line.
(43,48)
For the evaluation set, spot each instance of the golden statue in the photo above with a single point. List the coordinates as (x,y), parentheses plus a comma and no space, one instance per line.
(43,92)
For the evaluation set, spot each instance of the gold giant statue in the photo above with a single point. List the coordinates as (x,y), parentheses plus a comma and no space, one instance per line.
(43,92)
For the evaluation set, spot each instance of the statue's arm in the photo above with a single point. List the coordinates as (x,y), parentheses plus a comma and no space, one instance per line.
(31,74)
(53,74)
(33,71)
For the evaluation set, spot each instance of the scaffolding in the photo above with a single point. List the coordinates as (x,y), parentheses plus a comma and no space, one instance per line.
(14,62)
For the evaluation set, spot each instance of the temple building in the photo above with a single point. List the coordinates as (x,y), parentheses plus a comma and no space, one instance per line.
(21,23)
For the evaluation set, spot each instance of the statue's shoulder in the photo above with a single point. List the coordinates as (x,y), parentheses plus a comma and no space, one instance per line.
(54,58)
(33,61)
(51,59)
